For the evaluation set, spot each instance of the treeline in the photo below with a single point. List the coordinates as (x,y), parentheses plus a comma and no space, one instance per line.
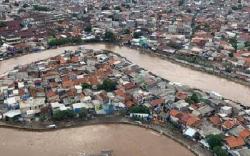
(62,41)
(41,8)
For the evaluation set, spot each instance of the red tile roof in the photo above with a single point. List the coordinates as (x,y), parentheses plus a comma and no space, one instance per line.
(215,120)
(157,102)
(245,133)
(228,124)
(234,142)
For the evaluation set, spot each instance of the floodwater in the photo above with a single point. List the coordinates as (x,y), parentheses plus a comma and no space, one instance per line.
(123,140)
(156,65)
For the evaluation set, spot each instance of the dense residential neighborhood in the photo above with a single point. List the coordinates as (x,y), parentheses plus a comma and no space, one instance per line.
(213,34)
(84,85)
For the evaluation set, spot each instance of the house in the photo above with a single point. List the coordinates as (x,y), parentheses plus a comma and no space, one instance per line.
(78,106)
(58,106)
(175,115)
(157,102)
(190,133)
(205,110)
(32,105)
(180,105)
(215,120)
(227,110)
(206,128)
(230,123)
(233,142)
(244,152)
(52,96)
(236,130)
(12,114)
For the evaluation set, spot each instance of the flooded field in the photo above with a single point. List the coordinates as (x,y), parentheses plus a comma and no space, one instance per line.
(124,140)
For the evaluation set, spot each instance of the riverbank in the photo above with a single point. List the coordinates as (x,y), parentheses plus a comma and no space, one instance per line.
(191,65)
(166,130)
(162,67)
(163,56)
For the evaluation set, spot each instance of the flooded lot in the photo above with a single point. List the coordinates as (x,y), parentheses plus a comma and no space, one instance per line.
(124,140)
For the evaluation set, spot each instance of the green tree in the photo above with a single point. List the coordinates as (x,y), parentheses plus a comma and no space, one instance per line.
(2,24)
(139,109)
(219,151)
(107,85)
(233,41)
(63,115)
(88,28)
(195,98)
(181,2)
(41,8)
(86,86)
(118,8)
(26,5)
(83,113)
(214,140)
(137,34)
(231,55)
(109,36)
(247,44)
(63,41)
(126,31)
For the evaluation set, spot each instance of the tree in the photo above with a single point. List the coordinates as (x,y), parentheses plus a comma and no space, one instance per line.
(247,44)
(195,98)
(2,24)
(219,151)
(109,36)
(214,140)
(105,7)
(231,55)
(62,41)
(107,85)
(118,8)
(126,31)
(139,109)
(233,41)
(83,113)
(137,34)
(181,2)
(88,28)
(63,115)
(41,8)
(26,5)
(86,86)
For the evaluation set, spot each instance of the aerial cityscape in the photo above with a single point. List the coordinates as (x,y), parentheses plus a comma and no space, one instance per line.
(125,77)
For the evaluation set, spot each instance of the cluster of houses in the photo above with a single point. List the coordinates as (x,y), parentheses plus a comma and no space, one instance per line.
(71,81)
(217,32)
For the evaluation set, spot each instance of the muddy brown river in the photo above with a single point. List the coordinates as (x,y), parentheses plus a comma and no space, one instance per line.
(124,140)
(161,67)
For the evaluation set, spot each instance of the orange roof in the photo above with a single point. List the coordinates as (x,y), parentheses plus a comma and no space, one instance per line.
(181,95)
(230,123)
(129,103)
(245,133)
(51,94)
(174,112)
(234,142)
(120,92)
(157,102)
(192,121)
(130,85)
(68,84)
(75,59)
(215,120)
